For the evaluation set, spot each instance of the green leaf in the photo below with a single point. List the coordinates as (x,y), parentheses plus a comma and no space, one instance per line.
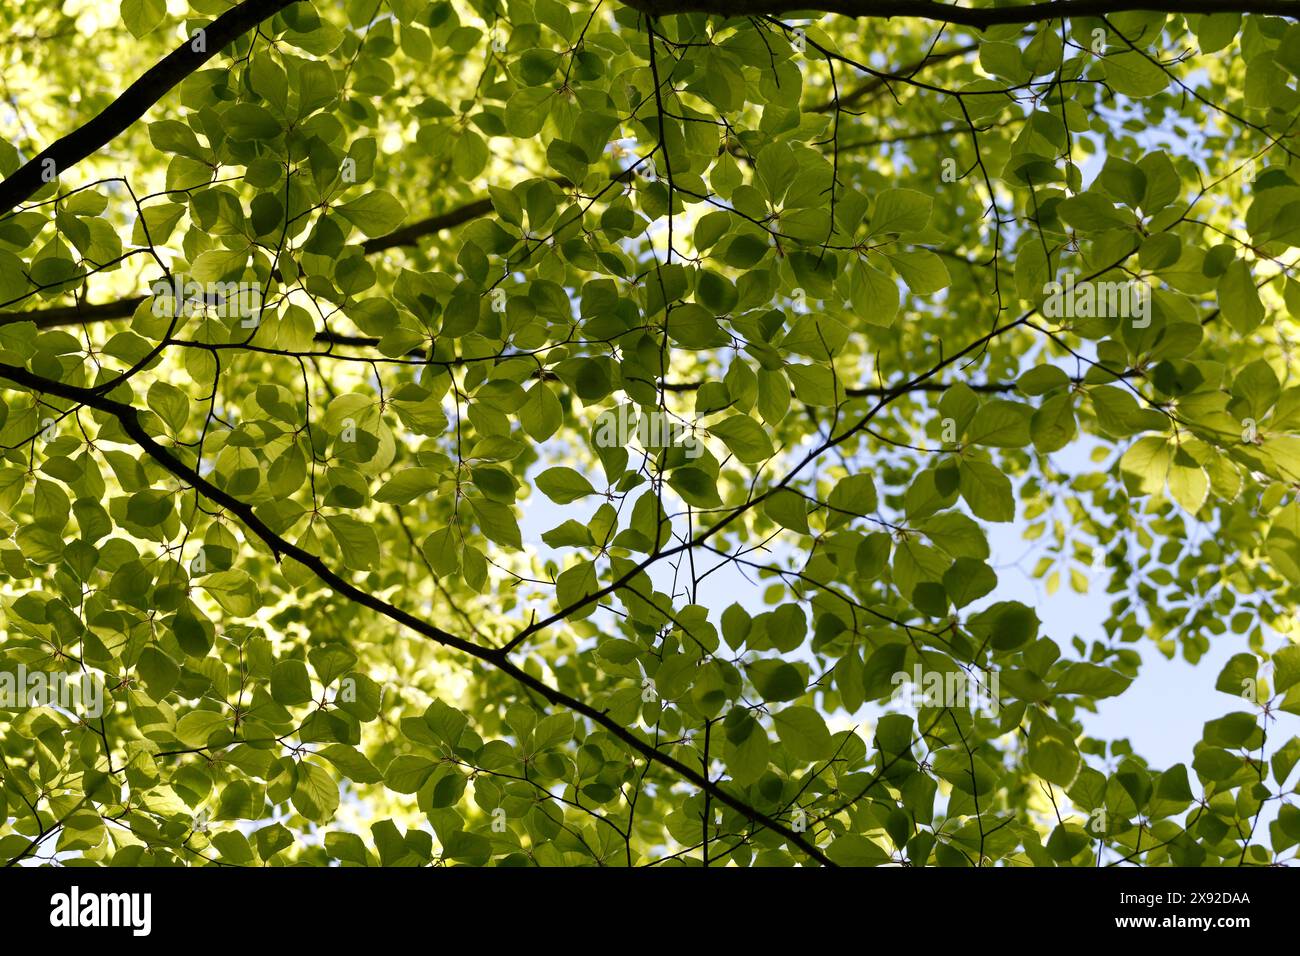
(248,121)
(900,210)
(1284,760)
(1146,465)
(375,214)
(442,549)
(969,579)
(1239,676)
(357,541)
(787,509)
(1091,680)
(853,849)
(1053,425)
(747,751)
(803,732)
(874,295)
(563,485)
(956,534)
(316,796)
(1052,751)
(776,680)
(1286,668)
(218,264)
(854,495)
(1239,299)
(497,522)
(1000,424)
(695,486)
(234,591)
(880,674)
(986,490)
(407,773)
(1188,484)
(1005,626)
(923,271)
(1282,543)
(352,763)
(290,684)
(170,404)
(1134,73)
(1215,764)
(745,437)
(407,485)
(142,17)
(159,672)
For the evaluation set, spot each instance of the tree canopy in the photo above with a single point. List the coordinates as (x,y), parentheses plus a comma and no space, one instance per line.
(529,433)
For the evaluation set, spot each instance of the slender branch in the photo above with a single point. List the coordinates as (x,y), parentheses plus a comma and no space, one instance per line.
(123,308)
(407,235)
(128,417)
(870,391)
(979,18)
(875,84)
(132,104)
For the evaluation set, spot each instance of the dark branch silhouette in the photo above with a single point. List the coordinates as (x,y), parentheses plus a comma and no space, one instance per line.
(127,416)
(115,118)
(978,18)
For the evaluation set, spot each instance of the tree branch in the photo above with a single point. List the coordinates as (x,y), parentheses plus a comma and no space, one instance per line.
(128,417)
(408,235)
(114,119)
(123,308)
(874,84)
(979,18)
